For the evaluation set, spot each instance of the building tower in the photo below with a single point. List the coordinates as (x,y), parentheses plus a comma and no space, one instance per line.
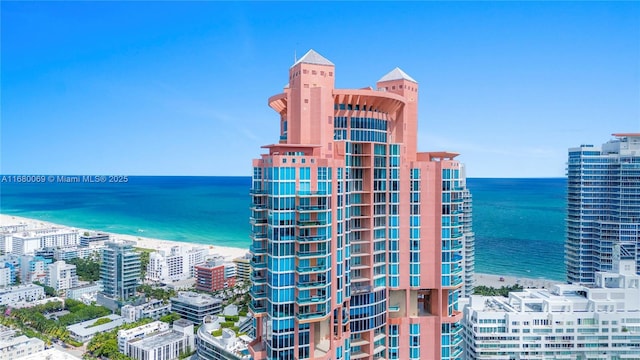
(358,240)
(120,270)
(603,206)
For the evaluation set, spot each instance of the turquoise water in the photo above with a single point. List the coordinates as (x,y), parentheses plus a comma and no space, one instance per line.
(519,223)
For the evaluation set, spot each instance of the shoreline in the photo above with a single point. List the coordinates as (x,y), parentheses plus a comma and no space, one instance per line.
(227,252)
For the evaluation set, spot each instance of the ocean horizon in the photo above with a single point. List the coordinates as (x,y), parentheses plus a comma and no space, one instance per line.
(519,222)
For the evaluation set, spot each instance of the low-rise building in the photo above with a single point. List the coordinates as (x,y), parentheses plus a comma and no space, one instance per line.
(564,322)
(7,274)
(139,333)
(27,242)
(225,346)
(154,309)
(90,237)
(61,276)
(12,295)
(80,252)
(85,330)
(215,275)
(33,268)
(17,347)
(85,293)
(158,342)
(194,307)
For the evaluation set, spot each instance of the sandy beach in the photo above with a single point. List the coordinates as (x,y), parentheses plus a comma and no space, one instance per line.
(142,242)
(494,281)
(231,252)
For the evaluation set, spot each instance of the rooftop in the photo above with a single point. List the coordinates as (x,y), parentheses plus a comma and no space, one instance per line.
(157,340)
(397,74)
(312,57)
(85,329)
(195,298)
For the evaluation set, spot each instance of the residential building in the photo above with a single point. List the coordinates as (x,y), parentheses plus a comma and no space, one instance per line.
(139,333)
(164,345)
(469,244)
(51,354)
(120,270)
(603,206)
(61,276)
(77,252)
(86,330)
(17,347)
(215,275)
(358,238)
(85,293)
(13,295)
(90,237)
(564,322)
(175,264)
(33,268)
(154,309)
(27,242)
(243,267)
(7,274)
(194,307)
(226,346)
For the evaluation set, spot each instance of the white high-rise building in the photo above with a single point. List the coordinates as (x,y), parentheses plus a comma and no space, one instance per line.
(564,322)
(603,206)
(61,276)
(174,264)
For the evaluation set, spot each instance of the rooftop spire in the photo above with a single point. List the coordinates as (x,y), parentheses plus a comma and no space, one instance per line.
(312,57)
(396,74)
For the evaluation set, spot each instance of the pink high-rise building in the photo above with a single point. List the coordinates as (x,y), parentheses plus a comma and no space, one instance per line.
(358,238)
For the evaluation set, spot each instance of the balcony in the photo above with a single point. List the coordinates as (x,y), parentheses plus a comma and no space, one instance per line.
(312,300)
(259,221)
(394,308)
(359,289)
(310,316)
(312,208)
(310,239)
(311,254)
(258,264)
(311,223)
(259,235)
(258,192)
(311,285)
(258,306)
(256,250)
(258,278)
(311,269)
(258,207)
(311,193)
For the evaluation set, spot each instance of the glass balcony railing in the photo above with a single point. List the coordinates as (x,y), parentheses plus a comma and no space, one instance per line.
(313,238)
(311,284)
(258,306)
(258,264)
(311,269)
(257,250)
(312,223)
(310,316)
(311,254)
(311,300)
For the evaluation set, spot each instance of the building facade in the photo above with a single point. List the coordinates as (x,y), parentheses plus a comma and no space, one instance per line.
(154,309)
(175,264)
(215,275)
(166,344)
(61,276)
(120,270)
(358,240)
(603,206)
(565,322)
(194,307)
(17,294)
(243,267)
(17,347)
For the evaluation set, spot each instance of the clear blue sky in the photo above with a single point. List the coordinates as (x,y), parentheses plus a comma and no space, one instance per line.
(168,88)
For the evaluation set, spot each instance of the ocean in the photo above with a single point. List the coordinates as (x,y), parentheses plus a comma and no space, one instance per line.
(519,223)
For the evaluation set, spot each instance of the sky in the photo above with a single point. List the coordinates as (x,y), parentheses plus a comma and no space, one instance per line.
(181,88)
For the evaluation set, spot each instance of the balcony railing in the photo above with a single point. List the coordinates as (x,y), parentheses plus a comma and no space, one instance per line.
(311,285)
(313,238)
(311,300)
(311,269)
(310,316)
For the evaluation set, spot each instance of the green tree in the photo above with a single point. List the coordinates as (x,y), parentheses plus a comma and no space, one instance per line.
(87,269)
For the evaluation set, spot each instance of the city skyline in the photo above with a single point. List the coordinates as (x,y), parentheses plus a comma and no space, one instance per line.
(160,88)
